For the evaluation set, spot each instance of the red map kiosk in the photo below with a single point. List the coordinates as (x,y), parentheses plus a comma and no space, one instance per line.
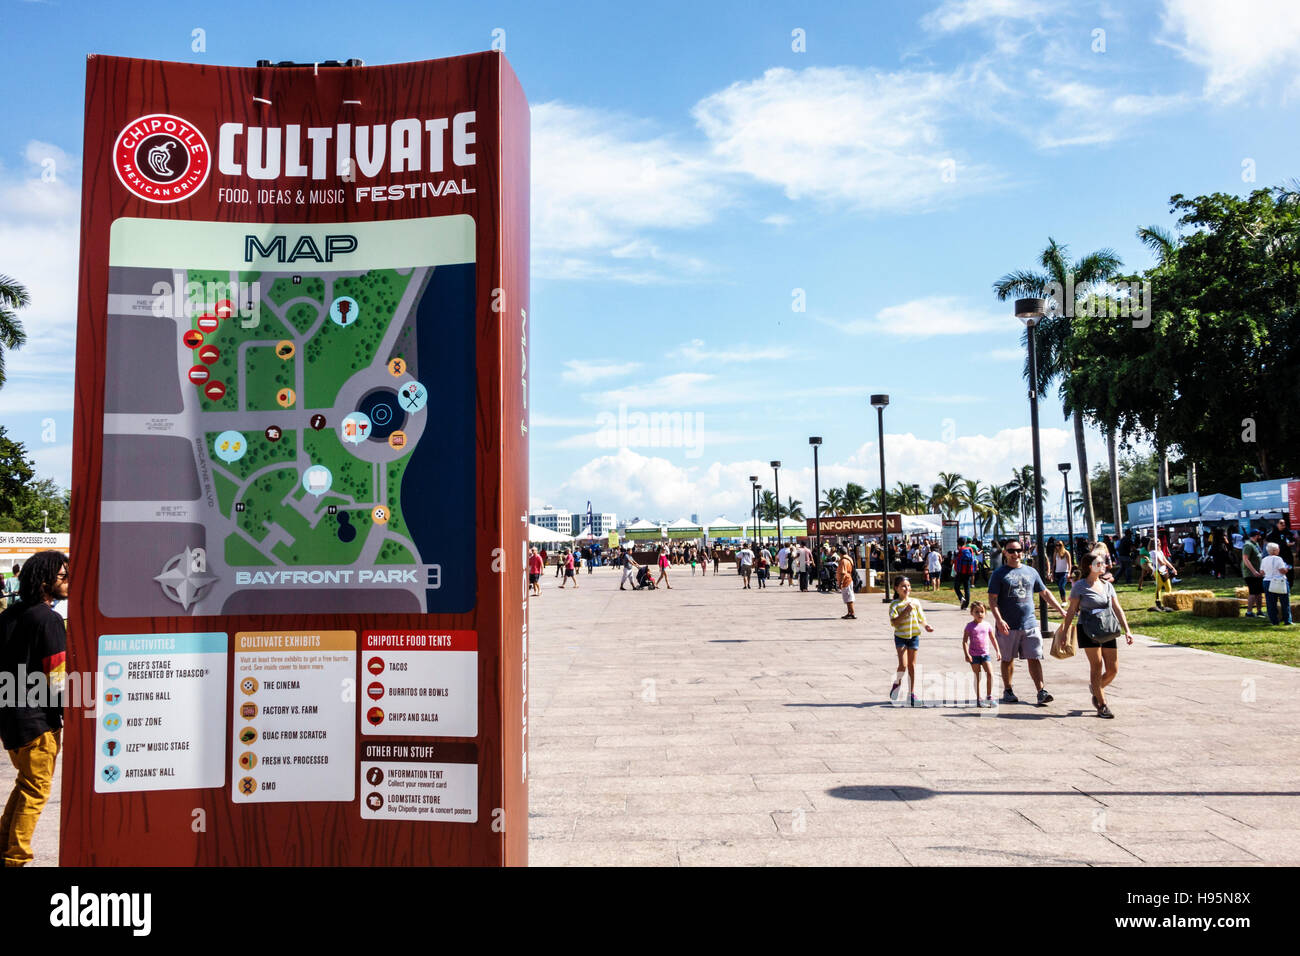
(301,441)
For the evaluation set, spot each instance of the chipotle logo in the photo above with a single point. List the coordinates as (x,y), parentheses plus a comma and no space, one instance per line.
(161,158)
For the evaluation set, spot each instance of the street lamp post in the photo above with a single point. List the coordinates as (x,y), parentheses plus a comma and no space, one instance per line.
(878,402)
(776,481)
(1064,468)
(816,441)
(753,507)
(1030,311)
(45,521)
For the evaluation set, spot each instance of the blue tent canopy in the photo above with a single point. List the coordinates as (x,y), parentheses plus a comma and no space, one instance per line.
(1219,507)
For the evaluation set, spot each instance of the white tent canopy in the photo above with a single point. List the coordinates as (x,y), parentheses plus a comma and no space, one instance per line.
(536,533)
(914,524)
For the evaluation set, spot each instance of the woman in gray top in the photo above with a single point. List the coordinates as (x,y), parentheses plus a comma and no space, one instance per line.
(1094,597)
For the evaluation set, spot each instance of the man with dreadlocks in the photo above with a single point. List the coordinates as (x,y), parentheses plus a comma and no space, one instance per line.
(33,641)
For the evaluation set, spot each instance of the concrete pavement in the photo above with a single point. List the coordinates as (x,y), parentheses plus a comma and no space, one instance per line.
(706,725)
(710,725)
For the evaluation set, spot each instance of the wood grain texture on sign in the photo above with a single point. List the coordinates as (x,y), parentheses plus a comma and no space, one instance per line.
(167,827)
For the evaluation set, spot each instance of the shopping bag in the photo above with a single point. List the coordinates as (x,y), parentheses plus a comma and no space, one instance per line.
(1064,643)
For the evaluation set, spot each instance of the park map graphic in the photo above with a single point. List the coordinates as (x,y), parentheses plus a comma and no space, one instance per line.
(271,441)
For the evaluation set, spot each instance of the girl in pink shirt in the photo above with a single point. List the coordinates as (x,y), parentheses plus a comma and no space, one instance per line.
(663,570)
(978,644)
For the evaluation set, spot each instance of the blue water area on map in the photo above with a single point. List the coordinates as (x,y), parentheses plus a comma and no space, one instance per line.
(381,407)
(438,485)
(347,531)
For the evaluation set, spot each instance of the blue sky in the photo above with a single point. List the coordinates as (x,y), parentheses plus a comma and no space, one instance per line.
(697,179)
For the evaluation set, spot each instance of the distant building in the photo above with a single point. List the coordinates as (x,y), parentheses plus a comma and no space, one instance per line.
(573,522)
(553,520)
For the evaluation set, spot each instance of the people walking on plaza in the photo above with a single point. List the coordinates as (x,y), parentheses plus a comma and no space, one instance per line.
(33,645)
(934,569)
(907,619)
(663,570)
(844,578)
(1101,621)
(1063,562)
(1012,588)
(979,643)
(745,560)
(782,565)
(802,565)
(534,571)
(559,563)
(761,565)
(1277,589)
(629,568)
(963,571)
(570,572)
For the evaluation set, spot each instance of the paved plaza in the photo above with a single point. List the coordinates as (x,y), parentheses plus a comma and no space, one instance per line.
(707,725)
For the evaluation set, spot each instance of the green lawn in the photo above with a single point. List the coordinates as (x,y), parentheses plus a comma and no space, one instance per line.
(1241,637)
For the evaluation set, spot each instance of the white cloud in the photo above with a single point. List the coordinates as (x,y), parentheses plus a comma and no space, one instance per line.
(681,390)
(581,372)
(599,181)
(1091,115)
(696,351)
(927,317)
(1240,45)
(629,483)
(870,139)
(958,14)
(780,220)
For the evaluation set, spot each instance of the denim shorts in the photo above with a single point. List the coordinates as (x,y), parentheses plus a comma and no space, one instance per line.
(913,643)
(980,658)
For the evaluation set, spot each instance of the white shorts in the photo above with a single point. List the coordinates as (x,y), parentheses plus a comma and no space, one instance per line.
(846,592)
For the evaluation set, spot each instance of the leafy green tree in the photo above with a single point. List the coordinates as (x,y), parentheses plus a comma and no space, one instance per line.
(833,503)
(1213,375)
(945,496)
(997,511)
(1055,359)
(792,509)
(16,474)
(974,496)
(855,499)
(13,296)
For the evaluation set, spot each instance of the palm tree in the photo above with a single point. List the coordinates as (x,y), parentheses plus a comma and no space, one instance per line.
(768,506)
(13,296)
(944,493)
(996,512)
(1054,361)
(793,509)
(855,499)
(974,497)
(1021,493)
(833,504)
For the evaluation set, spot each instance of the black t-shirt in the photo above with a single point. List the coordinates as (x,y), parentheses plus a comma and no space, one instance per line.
(33,641)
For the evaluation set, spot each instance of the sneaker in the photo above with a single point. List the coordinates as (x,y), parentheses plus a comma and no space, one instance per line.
(988,701)
(1104,711)
(1250,614)
(912,701)
(1044,697)
(1009,698)
(893,691)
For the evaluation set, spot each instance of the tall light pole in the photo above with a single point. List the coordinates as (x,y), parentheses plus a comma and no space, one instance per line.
(816,441)
(878,402)
(1064,468)
(753,507)
(776,481)
(1030,311)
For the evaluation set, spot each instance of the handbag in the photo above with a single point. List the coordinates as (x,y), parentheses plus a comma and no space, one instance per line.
(1064,644)
(1099,625)
(1278,586)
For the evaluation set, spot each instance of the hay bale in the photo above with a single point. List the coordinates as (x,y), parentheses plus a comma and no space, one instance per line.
(1215,607)
(1241,592)
(1183,600)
